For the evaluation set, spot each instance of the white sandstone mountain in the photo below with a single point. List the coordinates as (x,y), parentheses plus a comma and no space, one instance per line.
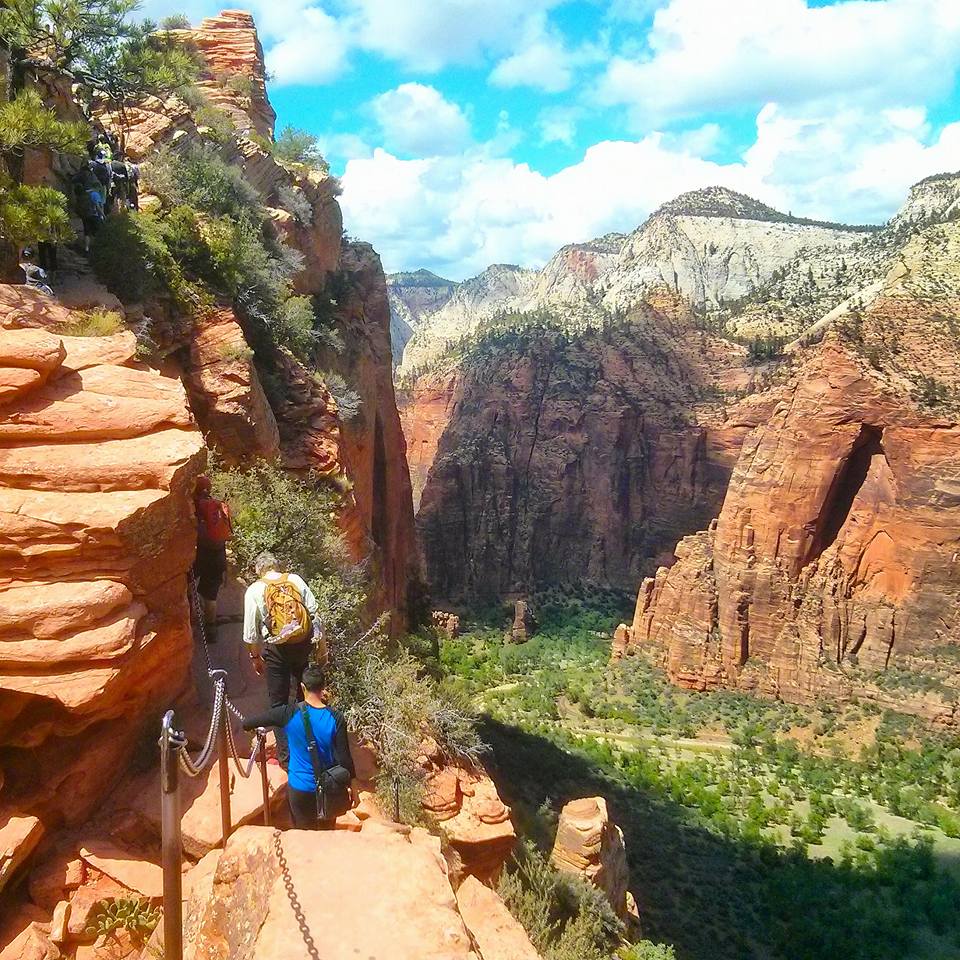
(759,271)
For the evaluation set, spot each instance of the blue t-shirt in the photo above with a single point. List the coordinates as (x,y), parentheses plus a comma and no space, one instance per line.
(324,725)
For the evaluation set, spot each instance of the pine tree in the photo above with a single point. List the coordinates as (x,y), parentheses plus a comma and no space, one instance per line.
(112,56)
(30,214)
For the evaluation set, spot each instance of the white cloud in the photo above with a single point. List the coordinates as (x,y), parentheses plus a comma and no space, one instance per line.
(544,65)
(850,165)
(704,55)
(314,51)
(457,215)
(430,34)
(558,124)
(416,119)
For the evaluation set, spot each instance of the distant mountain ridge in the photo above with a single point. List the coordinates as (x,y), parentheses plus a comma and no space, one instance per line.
(714,246)
(724,202)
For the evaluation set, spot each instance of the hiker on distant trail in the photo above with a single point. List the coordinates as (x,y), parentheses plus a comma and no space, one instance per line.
(214,529)
(280,627)
(90,199)
(319,754)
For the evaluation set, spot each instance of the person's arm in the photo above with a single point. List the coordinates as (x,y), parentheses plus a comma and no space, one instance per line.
(343,757)
(274,717)
(251,628)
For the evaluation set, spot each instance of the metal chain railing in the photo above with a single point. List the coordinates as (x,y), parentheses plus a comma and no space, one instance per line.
(174,757)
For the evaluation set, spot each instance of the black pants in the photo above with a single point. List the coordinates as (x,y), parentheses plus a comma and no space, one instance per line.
(209,569)
(284,665)
(303,810)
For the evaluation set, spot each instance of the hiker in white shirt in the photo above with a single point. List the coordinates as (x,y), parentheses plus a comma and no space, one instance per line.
(281,629)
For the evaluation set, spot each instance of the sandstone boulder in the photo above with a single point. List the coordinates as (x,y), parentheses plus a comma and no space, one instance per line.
(497,934)
(97,460)
(226,393)
(343,895)
(590,845)
(524,623)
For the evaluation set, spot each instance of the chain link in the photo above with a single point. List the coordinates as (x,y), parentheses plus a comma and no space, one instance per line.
(193,768)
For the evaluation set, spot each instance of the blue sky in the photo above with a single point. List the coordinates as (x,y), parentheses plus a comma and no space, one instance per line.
(468,132)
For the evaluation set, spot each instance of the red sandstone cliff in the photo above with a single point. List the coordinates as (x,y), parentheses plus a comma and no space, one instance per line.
(544,457)
(97,461)
(226,393)
(835,553)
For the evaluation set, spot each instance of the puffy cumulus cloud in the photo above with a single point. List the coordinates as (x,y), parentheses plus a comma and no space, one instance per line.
(458,214)
(430,34)
(313,51)
(702,55)
(416,119)
(852,165)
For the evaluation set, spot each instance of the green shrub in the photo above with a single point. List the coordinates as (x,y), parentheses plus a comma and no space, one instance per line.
(291,518)
(199,176)
(294,327)
(177,21)
(92,323)
(294,201)
(217,123)
(262,142)
(349,402)
(129,254)
(29,214)
(647,950)
(239,84)
(26,122)
(565,917)
(299,147)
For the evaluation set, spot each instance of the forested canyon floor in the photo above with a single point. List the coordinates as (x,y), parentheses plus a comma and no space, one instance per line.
(753,828)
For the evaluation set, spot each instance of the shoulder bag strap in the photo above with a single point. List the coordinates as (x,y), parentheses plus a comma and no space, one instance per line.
(314,749)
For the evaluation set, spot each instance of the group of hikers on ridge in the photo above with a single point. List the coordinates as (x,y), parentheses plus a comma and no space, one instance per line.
(284,638)
(106,181)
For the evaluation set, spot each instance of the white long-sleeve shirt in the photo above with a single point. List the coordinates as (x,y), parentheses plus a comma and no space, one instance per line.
(255,628)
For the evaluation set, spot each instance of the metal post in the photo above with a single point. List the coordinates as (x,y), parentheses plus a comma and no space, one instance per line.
(264,779)
(396,799)
(171,841)
(223,760)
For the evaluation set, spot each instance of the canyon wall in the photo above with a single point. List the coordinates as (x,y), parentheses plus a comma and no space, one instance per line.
(546,458)
(310,437)
(832,567)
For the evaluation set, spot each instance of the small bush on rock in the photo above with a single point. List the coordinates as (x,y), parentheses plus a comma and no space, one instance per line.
(131,257)
(565,917)
(298,147)
(295,203)
(349,402)
(93,323)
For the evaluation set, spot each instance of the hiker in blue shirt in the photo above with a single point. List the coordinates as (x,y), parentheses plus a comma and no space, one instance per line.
(319,753)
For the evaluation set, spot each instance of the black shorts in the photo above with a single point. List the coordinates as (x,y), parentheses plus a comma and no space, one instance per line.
(210,569)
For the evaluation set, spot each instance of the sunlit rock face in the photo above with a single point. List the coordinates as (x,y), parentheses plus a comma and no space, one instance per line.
(834,556)
(98,457)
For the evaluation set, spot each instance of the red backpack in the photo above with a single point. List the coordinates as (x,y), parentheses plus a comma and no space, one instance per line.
(213,522)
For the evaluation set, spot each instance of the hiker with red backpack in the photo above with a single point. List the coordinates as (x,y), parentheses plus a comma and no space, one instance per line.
(280,628)
(214,529)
